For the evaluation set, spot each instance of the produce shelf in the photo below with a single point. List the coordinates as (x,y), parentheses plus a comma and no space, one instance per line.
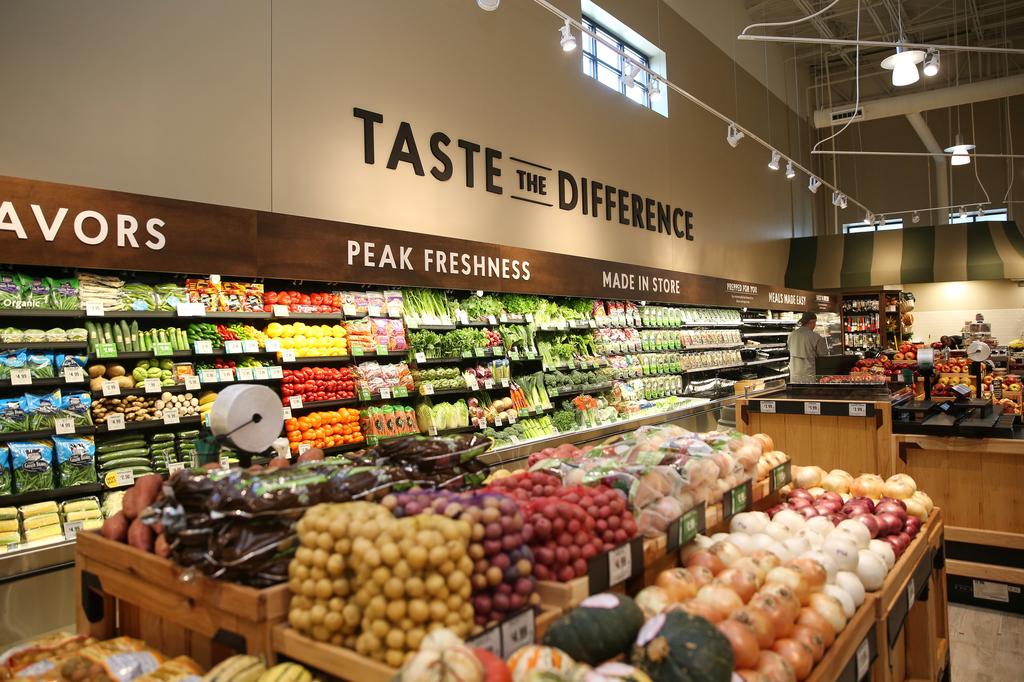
(40,312)
(43,433)
(696,370)
(768,346)
(752,335)
(150,425)
(775,322)
(595,388)
(462,391)
(148,355)
(714,346)
(727,325)
(175,389)
(55,494)
(304,317)
(451,432)
(45,345)
(48,381)
(338,449)
(765,362)
(433,327)
(325,404)
(316,359)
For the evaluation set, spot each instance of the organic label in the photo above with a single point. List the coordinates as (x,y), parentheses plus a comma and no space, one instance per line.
(812,408)
(295,402)
(863,659)
(280,310)
(208,376)
(63,425)
(288,355)
(151,385)
(22,377)
(106,350)
(71,529)
(171,415)
(400,392)
(73,374)
(110,388)
(620,564)
(357,351)
(382,350)
(162,349)
(385,393)
(858,409)
(203,347)
(517,632)
(272,345)
(174,467)
(781,475)
(768,406)
(232,347)
(250,346)
(93,309)
(225,374)
(243,373)
(286,413)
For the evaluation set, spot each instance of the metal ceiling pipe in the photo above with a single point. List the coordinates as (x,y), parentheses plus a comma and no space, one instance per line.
(914,103)
(920,127)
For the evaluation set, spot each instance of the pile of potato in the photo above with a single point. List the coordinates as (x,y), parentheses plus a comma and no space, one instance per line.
(370,582)
(186,404)
(135,408)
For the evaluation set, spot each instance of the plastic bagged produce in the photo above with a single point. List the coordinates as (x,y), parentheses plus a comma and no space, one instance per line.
(42,409)
(5,469)
(35,292)
(63,293)
(138,296)
(75,458)
(14,416)
(36,658)
(40,364)
(121,659)
(10,291)
(32,464)
(76,404)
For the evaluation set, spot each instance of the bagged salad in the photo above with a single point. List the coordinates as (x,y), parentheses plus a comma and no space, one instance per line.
(75,458)
(32,464)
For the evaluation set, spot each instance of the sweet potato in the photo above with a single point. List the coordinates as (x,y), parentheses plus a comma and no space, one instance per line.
(129,503)
(115,527)
(311,455)
(162,548)
(140,536)
(148,489)
(278,463)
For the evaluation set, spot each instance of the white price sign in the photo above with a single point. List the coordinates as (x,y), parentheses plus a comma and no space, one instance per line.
(225,374)
(511,418)
(517,632)
(421,357)
(858,409)
(481,423)
(232,347)
(151,385)
(260,373)
(73,374)
(768,406)
(385,393)
(192,382)
(295,402)
(225,462)
(288,355)
(303,447)
(115,422)
(863,659)
(492,320)
(274,372)
(63,425)
(488,383)
(472,384)
(93,309)
(71,529)
(427,389)
(504,383)
(620,564)
(373,310)
(174,467)
(21,377)
(110,388)
(171,415)
(208,376)
(244,373)
(251,346)
(812,408)
(203,347)
(498,422)
(280,310)
(489,640)
(123,477)
(286,412)
(272,345)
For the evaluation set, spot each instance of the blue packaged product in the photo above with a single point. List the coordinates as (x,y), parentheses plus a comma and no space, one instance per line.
(76,460)
(5,470)
(13,415)
(32,464)
(77,405)
(42,409)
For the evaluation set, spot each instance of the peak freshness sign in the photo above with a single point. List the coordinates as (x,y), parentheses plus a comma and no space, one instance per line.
(533,182)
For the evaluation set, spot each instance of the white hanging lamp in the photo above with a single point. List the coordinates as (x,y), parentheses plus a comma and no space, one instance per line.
(903,65)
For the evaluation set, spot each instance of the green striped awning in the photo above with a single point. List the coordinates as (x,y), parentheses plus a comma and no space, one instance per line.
(941,253)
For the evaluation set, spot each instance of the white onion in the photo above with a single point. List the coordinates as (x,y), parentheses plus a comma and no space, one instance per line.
(762,541)
(855,530)
(796,545)
(853,586)
(744,541)
(813,539)
(870,569)
(726,551)
(777,531)
(905,479)
(829,607)
(793,521)
(820,525)
(718,537)
(899,490)
(816,491)
(924,499)
(843,597)
(867,485)
(779,550)
(884,551)
(916,508)
(843,549)
(826,561)
(842,472)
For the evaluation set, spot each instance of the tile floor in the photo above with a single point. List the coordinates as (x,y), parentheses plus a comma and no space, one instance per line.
(987,646)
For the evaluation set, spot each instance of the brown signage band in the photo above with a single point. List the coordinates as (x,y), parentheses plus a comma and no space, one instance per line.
(43,223)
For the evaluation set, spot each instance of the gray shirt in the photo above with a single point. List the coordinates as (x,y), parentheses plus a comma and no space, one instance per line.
(805,345)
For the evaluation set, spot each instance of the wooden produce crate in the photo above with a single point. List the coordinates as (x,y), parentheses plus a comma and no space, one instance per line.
(121,590)
(855,649)
(911,611)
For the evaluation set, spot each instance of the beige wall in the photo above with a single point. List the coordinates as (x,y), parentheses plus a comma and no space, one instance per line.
(943,307)
(250,103)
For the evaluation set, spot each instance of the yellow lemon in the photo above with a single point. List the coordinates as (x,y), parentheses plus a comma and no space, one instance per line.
(274,330)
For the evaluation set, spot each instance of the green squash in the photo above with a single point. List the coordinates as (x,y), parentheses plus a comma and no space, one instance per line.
(600,628)
(679,647)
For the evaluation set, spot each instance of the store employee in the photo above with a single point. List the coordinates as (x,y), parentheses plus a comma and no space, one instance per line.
(805,345)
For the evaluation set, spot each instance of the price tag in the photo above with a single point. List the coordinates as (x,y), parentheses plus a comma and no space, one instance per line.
(462,316)
(513,355)
(349,309)
(106,350)
(280,311)
(491,319)
(22,377)
(411,323)
(115,422)
(260,374)
(488,383)
(162,349)
(203,347)
(73,374)
(421,357)
(781,476)
(357,351)
(151,385)
(736,500)
(110,388)
(385,393)
(123,477)
(812,408)
(373,310)
(225,374)
(863,659)
(427,389)
(529,317)
(250,346)
(517,632)
(768,406)
(171,415)
(174,467)
(497,350)
(514,439)
(382,350)
(432,430)
(71,529)
(288,355)
(400,392)
(472,384)
(505,382)
(481,423)
(303,447)
(93,309)
(286,412)
(911,594)
(275,372)
(295,402)
(272,345)
(498,422)
(192,382)
(208,376)
(13,546)
(858,409)
(63,425)
(511,418)
(225,462)
(620,564)
(489,640)
(185,309)
(364,395)
(232,347)
(243,373)
(503,318)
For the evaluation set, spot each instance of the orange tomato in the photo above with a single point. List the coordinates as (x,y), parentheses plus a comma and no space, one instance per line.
(294,436)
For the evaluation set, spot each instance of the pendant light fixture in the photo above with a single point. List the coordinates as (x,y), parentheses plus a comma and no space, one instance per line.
(774,163)
(961,152)
(568,40)
(790,173)
(733,135)
(903,65)
(931,64)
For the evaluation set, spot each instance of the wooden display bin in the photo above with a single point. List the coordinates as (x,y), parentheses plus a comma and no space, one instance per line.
(851,655)
(121,590)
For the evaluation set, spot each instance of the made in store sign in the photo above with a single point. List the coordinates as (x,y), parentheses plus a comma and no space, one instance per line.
(527,181)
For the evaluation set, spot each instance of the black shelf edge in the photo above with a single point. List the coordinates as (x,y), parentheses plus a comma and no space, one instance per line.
(45,345)
(40,312)
(326,404)
(43,433)
(318,358)
(149,425)
(55,494)
(596,388)
(351,447)
(176,388)
(49,381)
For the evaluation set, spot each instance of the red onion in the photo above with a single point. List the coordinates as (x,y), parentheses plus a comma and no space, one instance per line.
(893,499)
(832,496)
(912,525)
(837,518)
(889,524)
(871,522)
(865,501)
(896,510)
(905,539)
(798,503)
(801,493)
(856,510)
(810,512)
(896,543)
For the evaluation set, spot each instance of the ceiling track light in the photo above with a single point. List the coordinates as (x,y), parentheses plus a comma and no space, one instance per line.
(916,218)
(881,220)
(839,199)
(655,92)
(961,152)
(774,163)
(629,73)
(488,5)
(869,218)
(733,135)
(963,212)
(903,65)
(931,63)
(790,173)
(568,40)
(813,184)
(981,210)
